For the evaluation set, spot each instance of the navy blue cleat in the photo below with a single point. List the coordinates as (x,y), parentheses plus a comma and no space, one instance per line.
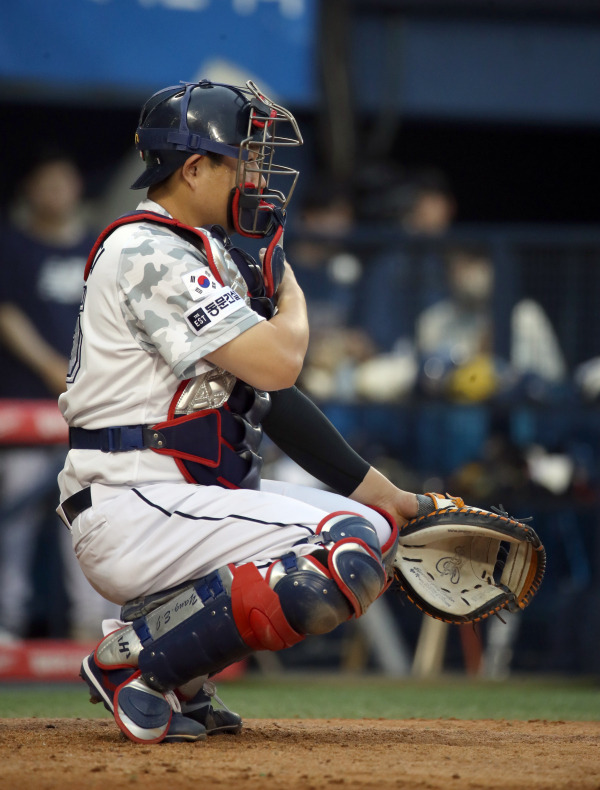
(215,720)
(143,714)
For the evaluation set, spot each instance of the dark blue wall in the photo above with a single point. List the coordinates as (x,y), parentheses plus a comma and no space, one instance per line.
(483,69)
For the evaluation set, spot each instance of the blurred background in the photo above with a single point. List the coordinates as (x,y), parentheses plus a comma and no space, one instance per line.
(446,231)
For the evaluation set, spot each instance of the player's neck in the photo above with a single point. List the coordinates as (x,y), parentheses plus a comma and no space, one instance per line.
(175,207)
(181,209)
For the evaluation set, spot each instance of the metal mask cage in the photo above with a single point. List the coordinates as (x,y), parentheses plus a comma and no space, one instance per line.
(256,165)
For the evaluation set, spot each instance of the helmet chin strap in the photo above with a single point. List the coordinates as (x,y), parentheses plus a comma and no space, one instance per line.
(265,219)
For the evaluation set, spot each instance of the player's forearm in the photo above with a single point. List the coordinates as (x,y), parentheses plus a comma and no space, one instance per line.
(21,337)
(304,433)
(376,490)
(270,355)
(291,325)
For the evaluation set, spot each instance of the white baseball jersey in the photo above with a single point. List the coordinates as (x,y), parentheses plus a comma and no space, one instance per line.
(151,311)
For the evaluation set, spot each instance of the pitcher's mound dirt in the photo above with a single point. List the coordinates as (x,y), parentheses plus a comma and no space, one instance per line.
(300,754)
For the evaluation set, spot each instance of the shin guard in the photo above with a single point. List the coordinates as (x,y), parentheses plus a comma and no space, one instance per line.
(200,628)
(192,634)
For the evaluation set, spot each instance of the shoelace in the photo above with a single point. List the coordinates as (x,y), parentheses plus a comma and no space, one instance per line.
(171,698)
(210,689)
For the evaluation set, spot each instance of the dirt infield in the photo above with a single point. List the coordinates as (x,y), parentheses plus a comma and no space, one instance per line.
(305,754)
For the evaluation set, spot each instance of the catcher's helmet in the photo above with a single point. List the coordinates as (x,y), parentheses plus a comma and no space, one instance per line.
(194,118)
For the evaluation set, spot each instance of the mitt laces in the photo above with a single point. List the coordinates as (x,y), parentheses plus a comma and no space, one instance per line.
(502,512)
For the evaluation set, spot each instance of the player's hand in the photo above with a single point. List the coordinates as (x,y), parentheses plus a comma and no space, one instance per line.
(288,282)
(377,491)
(402,506)
(289,278)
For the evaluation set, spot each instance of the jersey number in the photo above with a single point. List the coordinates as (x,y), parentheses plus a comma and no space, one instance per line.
(75,362)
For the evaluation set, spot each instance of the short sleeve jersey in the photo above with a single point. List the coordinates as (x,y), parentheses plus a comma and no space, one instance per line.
(152,309)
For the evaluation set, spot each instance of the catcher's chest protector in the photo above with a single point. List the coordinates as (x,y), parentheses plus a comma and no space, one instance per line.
(212,430)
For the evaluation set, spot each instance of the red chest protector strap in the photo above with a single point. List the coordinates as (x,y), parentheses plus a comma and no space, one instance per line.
(191,234)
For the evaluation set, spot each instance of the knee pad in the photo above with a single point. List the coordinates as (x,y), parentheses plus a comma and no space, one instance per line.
(262,621)
(354,558)
(343,577)
(311,600)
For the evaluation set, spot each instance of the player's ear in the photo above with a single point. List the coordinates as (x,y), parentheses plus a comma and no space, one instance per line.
(190,169)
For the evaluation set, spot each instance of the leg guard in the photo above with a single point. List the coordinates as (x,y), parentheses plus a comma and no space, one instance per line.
(200,629)
(193,634)
(354,558)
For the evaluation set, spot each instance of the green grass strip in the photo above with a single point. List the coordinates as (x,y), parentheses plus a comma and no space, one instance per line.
(301,696)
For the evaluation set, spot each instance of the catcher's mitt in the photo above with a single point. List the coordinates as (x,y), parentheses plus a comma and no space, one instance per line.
(461,564)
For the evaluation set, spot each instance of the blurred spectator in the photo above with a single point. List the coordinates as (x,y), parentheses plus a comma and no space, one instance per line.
(419,200)
(456,343)
(332,361)
(363,315)
(43,254)
(328,270)
(325,265)
(43,251)
(402,277)
(406,274)
(587,379)
(425,204)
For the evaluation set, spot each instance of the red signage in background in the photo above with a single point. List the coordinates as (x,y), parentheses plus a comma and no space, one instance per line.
(35,422)
(59,660)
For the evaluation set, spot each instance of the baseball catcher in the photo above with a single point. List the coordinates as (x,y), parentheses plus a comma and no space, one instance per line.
(186,350)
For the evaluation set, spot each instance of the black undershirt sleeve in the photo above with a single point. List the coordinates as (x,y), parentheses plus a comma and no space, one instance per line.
(299,428)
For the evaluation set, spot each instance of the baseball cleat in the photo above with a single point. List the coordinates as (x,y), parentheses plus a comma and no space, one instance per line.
(216,721)
(184,730)
(143,714)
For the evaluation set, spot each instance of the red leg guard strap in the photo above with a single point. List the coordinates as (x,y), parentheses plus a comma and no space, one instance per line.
(257,612)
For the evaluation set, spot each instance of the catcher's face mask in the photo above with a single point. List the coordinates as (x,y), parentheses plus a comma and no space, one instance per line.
(264,188)
(258,202)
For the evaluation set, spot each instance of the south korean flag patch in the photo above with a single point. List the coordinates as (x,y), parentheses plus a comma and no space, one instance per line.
(200,283)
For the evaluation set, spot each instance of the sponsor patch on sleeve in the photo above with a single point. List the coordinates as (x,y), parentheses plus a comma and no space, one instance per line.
(200,283)
(218,304)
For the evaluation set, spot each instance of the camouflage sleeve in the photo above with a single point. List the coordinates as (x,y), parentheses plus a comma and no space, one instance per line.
(173,304)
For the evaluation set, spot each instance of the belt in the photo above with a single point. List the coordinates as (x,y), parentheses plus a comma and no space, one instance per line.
(116,439)
(76,504)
